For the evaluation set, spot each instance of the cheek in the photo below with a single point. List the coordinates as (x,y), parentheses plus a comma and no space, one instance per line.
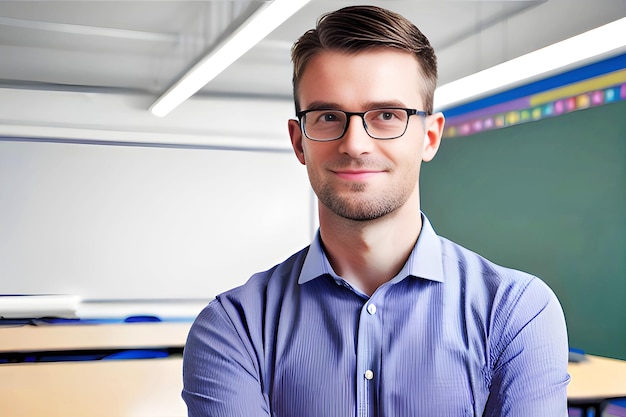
(410,162)
(315,153)
(408,154)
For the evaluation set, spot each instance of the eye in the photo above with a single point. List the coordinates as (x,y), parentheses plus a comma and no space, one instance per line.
(387,116)
(325,117)
(329,117)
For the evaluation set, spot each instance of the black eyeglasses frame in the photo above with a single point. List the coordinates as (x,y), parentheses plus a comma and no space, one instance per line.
(410,112)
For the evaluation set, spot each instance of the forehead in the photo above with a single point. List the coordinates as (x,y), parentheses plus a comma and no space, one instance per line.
(354,80)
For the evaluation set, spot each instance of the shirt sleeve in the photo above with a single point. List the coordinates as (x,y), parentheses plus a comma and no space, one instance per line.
(529,360)
(220,375)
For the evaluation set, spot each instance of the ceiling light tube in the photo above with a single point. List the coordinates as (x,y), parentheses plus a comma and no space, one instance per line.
(260,24)
(602,41)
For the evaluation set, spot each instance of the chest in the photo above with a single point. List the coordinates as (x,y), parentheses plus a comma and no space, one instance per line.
(392,356)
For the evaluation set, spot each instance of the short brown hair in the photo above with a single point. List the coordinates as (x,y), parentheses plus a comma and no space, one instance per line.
(358,28)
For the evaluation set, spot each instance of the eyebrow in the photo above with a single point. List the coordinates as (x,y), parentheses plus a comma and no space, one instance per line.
(319,105)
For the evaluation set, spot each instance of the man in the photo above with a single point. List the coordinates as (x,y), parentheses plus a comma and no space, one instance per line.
(379,316)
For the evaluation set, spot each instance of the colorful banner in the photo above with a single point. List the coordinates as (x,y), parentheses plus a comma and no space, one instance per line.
(581,94)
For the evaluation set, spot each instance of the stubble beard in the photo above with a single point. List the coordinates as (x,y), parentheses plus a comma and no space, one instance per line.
(358,205)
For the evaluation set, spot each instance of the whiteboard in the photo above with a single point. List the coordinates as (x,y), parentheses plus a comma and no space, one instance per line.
(135,222)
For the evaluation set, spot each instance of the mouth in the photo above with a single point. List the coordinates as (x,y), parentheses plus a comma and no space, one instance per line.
(357,175)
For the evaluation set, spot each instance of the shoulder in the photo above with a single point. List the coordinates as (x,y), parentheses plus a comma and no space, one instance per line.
(477,273)
(235,320)
(245,305)
(505,298)
(502,300)
(266,285)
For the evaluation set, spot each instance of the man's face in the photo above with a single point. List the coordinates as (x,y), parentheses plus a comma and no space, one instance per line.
(358,177)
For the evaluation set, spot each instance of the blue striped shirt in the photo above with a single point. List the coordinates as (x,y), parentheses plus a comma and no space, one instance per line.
(451,335)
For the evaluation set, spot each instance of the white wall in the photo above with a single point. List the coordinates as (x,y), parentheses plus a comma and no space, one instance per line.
(125,117)
(180,213)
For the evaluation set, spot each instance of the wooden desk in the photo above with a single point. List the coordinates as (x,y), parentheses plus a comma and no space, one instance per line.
(93,336)
(108,388)
(595,380)
(124,388)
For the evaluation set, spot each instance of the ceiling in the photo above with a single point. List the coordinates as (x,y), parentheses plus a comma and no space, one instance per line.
(144,46)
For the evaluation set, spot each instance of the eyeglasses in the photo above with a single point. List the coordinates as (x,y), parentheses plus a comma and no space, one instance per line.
(324,125)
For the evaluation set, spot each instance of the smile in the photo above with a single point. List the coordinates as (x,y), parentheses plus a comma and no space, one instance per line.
(359,175)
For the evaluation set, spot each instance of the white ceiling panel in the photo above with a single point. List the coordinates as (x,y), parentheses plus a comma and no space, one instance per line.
(145,45)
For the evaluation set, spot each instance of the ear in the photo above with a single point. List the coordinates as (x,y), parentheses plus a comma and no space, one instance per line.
(295,133)
(432,138)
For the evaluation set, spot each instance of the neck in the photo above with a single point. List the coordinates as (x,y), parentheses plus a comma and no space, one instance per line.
(369,253)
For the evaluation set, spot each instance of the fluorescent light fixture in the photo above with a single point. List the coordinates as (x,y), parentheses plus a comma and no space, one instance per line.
(595,43)
(267,18)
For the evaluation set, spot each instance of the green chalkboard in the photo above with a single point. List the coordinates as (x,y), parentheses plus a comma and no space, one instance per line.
(549,198)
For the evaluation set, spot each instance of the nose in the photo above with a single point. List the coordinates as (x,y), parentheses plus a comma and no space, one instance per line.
(356,141)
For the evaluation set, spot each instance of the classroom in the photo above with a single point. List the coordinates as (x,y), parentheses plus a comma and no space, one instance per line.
(132,193)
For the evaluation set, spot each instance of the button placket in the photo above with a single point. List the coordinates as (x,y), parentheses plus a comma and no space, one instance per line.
(369,351)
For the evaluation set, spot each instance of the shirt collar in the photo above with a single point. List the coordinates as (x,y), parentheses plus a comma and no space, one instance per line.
(425,260)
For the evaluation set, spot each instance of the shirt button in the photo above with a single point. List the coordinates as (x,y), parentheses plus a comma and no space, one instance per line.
(371,309)
(369,374)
